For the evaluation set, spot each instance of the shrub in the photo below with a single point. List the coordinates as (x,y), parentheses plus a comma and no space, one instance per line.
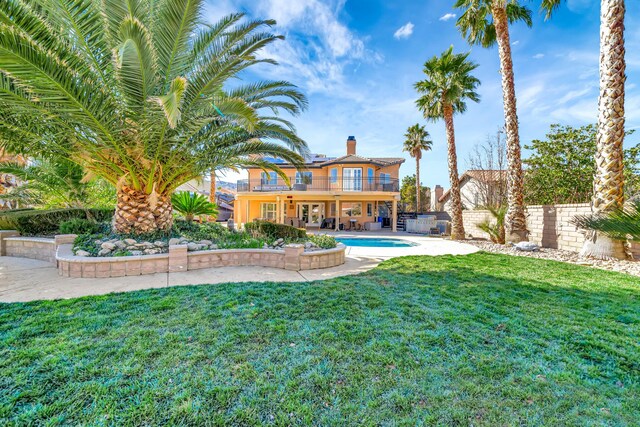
(47,222)
(207,230)
(495,230)
(271,230)
(192,204)
(323,241)
(80,226)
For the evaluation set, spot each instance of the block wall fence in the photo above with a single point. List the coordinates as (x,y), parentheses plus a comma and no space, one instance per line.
(549,225)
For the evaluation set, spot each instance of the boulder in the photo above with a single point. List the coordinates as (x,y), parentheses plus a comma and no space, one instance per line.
(193,247)
(82,253)
(174,241)
(206,242)
(526,247)
(159,244)
(104,252)
(150,251)
(120,244)
(130,242)
(109,246)
(136,253)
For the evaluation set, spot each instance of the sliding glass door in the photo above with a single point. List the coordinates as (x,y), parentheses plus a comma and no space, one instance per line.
(351,179)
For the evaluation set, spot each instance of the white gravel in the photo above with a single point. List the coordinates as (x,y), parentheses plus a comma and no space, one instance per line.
(622,266)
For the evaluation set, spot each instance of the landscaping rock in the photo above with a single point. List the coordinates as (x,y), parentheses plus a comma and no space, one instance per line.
(526,246)
(159,244)
(136,253)
(108,246)
(130,242)
(150,251)
(213,246)
(83,253)
(104,252)
(206,242)
(174,241)
(192,247)
(120,244)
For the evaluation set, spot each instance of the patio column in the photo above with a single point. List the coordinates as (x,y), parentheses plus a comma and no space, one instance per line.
(337,213)
(278,211)
(394,216)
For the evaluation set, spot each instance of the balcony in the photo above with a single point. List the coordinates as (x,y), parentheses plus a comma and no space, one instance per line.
(335,184)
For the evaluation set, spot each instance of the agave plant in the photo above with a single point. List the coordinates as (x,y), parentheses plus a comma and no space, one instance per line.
(619,224)
(137,93)
(192,204)
(496,229)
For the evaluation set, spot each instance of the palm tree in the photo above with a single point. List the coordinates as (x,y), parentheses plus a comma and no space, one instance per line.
(608,181)
(417,140)
(486,22)
(54,183)
(448,85)
(137,93)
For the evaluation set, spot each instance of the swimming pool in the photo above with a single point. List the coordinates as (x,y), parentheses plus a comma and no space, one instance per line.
(375,242)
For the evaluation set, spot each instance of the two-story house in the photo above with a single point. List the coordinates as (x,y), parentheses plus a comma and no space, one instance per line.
(348,192)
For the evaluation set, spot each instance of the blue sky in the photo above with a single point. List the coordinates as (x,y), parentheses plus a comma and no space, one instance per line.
(357,61)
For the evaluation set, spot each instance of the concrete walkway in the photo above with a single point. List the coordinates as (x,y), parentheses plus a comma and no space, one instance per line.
(24,279)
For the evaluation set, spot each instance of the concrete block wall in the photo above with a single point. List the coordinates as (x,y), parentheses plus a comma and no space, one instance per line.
(178,259)
(550,226)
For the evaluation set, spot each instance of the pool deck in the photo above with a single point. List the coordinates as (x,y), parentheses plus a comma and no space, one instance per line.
(24,279)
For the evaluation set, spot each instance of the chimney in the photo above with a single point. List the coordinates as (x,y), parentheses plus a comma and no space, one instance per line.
(351,146)
(436,193)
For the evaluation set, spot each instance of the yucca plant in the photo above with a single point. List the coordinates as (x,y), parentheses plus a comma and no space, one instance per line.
(619,224)
(137,92)
(495,229)
(192,204)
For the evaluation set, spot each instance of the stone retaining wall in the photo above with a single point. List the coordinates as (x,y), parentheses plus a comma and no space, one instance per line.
(43,249)
(549,225)
(179,259)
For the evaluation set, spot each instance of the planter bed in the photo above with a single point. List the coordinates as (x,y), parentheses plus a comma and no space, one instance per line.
(293,257)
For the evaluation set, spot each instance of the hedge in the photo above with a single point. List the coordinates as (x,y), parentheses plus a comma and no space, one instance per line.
(47,222)
(274,231)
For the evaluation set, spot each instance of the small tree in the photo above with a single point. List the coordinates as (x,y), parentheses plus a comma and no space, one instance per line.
(490,159)
(192,204)
(408,194)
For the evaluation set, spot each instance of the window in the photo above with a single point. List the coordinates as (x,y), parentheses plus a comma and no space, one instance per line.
(268,211)
(370,177)
(385,178)
(304,177)
(332,209)
(351,209)
(369,209)
(333,175)
(268,178)
(352,179)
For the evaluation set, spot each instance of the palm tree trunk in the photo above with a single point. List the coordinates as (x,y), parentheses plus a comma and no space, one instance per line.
(608,182)
(212,188)
(515,220)
(139,213)
(457,227)
(417,184)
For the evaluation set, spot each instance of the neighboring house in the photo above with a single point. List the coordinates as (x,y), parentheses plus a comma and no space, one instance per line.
(7,182)
(351,190)
(479,188)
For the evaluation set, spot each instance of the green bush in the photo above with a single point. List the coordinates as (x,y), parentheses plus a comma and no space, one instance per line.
(80,226)
(195,231)
(47,222)
(270,230)
(323,241)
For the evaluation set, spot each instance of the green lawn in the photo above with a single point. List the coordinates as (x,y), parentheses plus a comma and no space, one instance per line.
(481,339)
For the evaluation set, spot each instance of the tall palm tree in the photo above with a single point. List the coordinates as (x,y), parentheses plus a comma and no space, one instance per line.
(608,181)
(417,140)
(136,92)
(448,85)
(486,22)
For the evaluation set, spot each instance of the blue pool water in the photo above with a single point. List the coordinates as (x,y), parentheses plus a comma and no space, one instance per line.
(376,242)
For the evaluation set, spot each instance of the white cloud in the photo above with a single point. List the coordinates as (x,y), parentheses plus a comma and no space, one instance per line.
(404,32)
(318,47)
(538,56)
(447,17)
(515,43)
